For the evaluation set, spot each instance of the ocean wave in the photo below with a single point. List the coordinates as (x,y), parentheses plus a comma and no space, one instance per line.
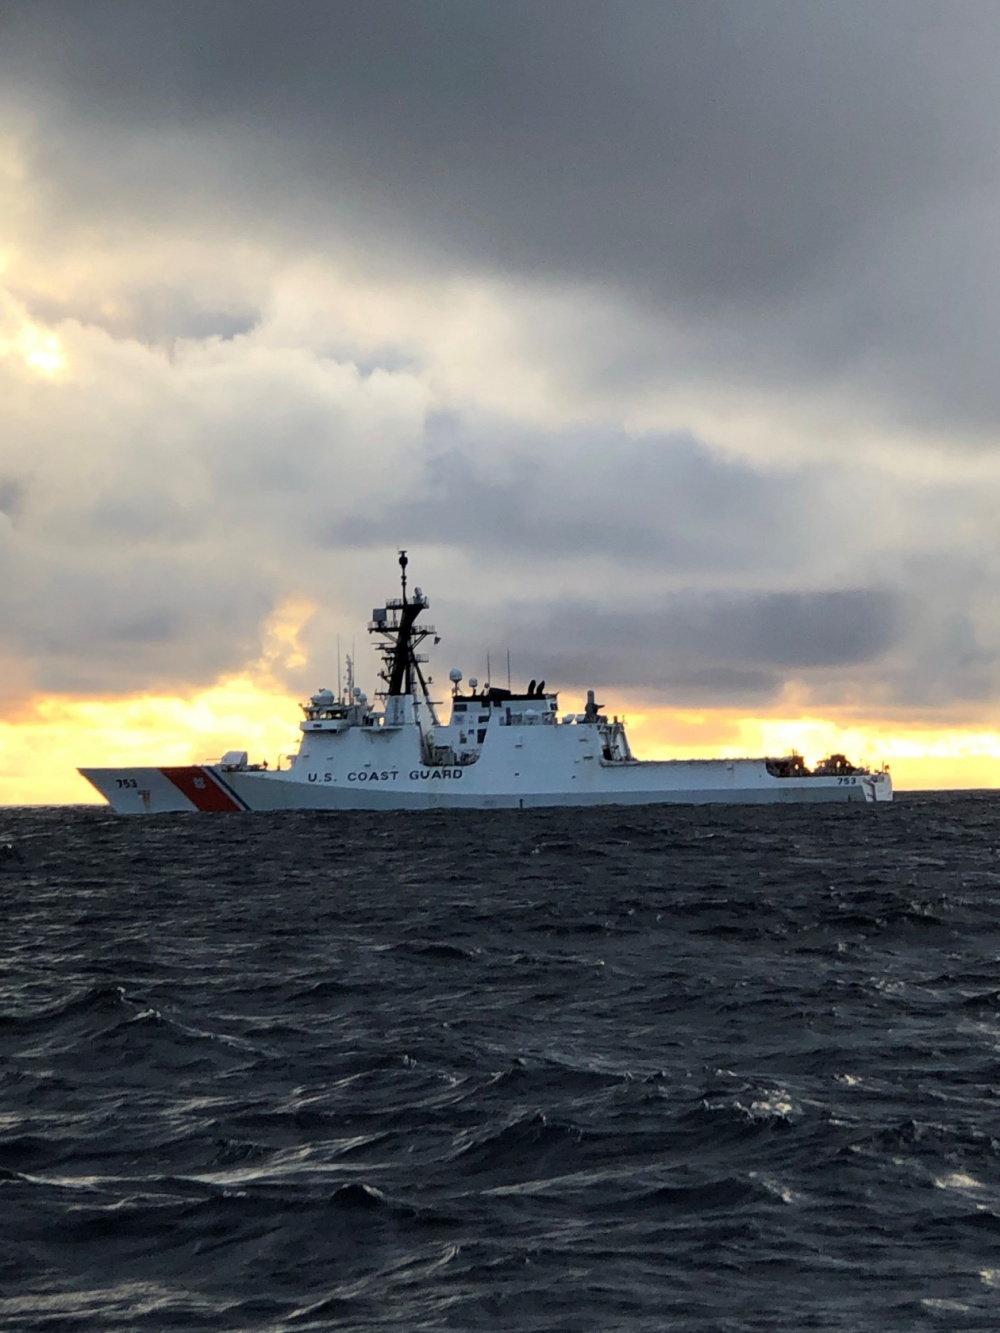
(522,1071)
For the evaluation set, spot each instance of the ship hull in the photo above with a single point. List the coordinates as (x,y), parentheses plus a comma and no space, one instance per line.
(209,789)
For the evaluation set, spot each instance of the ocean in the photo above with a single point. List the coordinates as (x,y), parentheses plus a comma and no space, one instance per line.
(711,1069)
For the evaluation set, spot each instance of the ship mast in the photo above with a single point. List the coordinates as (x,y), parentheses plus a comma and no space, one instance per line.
(395,623)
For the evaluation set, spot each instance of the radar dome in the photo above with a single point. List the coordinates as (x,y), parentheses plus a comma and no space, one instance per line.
(454,675)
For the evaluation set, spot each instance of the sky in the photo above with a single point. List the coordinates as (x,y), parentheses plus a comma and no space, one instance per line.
(662,334)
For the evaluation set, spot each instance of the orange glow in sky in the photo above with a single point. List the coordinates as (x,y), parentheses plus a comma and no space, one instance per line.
(42,746)
(41,750)
(921,758)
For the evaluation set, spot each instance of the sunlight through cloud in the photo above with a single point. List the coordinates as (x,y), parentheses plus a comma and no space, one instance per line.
(40,350)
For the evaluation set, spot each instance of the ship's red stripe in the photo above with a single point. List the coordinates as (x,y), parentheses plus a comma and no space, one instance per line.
(201,789)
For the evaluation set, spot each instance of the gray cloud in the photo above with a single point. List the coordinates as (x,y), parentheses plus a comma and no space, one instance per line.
(670,501)
(700,648)
(810,191)
(647,562)
(97,624)
(12,497)
(776,194)
(158,315)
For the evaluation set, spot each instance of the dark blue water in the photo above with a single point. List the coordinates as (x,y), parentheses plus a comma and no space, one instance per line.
(711,1069)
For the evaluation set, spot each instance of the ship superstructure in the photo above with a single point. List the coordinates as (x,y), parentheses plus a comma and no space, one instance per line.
(499,748)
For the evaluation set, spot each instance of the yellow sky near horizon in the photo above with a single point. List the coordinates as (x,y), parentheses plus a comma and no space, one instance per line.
(48,738)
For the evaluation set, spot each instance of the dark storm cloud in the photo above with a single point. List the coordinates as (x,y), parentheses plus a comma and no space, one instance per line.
(95,625)
(806,186)
(669,501)
(712,647)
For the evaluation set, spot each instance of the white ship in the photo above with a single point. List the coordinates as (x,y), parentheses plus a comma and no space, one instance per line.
(499,749)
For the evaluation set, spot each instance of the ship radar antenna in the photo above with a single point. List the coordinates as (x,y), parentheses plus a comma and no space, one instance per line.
(403,562)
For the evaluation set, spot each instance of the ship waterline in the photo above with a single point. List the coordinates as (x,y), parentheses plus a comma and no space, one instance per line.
(500,749)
